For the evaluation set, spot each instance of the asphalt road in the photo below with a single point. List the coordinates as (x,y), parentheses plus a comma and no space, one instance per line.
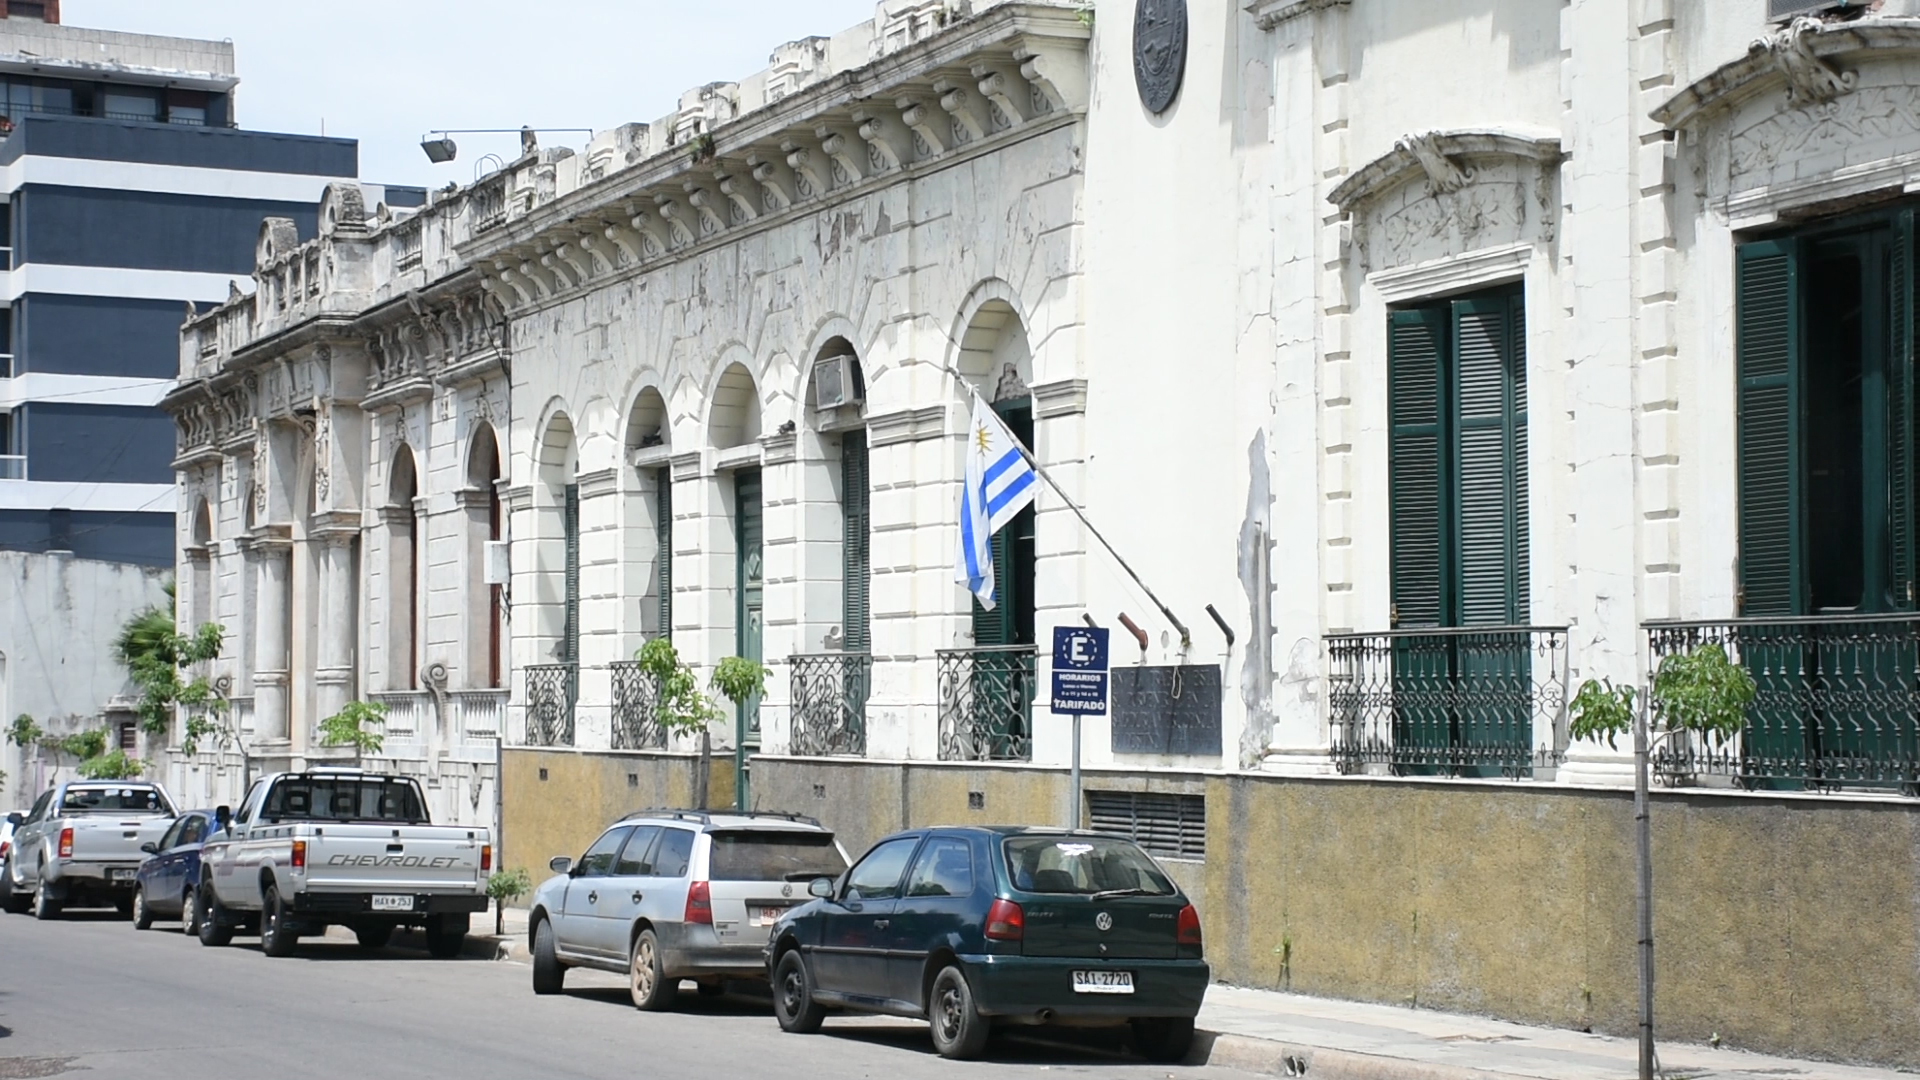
(91,997)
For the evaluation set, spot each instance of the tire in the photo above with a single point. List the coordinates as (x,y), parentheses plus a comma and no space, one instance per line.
(548,973)
(1163,1039)
(142,917)
(446,936)
(12,900)
(375,936)
(190,912)
(793,1003)
(45,905)
(123,905)
(959,1031)
(276,932)
(647,981)
(216,926)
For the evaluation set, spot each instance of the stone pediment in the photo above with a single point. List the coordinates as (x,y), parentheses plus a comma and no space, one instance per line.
(1443,159)
(1810,61)
(975,84)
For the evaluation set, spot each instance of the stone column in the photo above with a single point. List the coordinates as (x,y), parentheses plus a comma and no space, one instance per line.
(334,682)
(273,555)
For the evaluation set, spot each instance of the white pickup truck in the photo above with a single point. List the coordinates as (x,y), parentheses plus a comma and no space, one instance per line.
(343,847)
(80,845)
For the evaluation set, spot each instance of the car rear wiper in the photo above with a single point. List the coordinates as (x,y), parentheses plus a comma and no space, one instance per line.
(1109,894)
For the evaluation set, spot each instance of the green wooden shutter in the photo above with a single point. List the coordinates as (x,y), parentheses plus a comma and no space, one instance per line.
(855,563)
(1768,357)
(663,547)
(570,526)
(1901,514)
(1489,479)
(1520,510)
(1415,346)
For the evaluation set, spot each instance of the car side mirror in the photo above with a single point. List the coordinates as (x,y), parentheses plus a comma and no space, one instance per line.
(560,864)
(821,887)
(150,848)
(16,818)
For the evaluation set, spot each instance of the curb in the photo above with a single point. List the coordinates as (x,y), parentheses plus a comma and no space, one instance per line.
(1274,1058)
(476,947)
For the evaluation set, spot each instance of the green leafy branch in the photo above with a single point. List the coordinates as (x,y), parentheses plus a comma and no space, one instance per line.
(353,726)
(680,705)
(1701,691)
(115,765)
(156,655)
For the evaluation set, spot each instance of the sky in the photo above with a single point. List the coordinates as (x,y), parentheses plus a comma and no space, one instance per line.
(387,73)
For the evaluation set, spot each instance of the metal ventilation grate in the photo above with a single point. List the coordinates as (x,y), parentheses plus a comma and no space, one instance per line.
(1787,9)
(1171,825)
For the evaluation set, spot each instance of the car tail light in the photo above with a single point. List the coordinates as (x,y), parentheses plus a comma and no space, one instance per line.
(66,843)
(1189,926)
(299,854)
(5,846)
(1006,922)
(486,857)
(699,904)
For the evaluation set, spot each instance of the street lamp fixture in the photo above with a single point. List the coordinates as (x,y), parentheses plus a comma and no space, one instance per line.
(440,148)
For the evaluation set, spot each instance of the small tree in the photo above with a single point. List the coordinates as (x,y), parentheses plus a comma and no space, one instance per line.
(155,655)
(114,765)
(681,707)
(503,886)
(740,681)
(352,726)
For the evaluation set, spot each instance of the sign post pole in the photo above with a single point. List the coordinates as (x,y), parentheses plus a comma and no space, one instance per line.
(1079,689)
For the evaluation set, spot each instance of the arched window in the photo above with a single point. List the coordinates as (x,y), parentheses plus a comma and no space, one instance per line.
(403,576)
(486,524)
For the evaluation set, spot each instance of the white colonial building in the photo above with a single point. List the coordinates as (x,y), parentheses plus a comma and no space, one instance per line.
(339,463)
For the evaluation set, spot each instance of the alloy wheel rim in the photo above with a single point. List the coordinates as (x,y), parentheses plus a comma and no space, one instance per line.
(949,1013)
(139,904)
(643,969)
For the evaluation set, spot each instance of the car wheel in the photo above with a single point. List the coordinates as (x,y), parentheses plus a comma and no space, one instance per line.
(142,918)
(793,1003)
(276,932)
(959,1031)
(216,926)
(373,936)
(12,900)
(548,972)
(646,980)
(45,905)
(446,936)
(1164,1039)
(190,912)
(123,905)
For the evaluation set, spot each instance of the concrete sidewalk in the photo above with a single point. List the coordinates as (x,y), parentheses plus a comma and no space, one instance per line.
(1293,1035)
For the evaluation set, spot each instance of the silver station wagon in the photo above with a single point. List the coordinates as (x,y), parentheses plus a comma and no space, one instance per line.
(669,895)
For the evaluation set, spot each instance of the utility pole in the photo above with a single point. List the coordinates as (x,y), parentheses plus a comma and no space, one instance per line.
(1643,892)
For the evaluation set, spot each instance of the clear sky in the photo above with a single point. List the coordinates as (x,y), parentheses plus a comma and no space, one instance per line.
(389,71)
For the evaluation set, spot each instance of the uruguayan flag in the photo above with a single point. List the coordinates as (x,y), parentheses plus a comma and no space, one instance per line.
(999,485)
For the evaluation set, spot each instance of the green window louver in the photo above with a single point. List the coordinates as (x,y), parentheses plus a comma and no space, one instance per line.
(856,568)
(570,529)
(663,549)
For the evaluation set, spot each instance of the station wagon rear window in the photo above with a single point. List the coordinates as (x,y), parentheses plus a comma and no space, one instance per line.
(774,856)
(113,800)
(1083,865)
(345,798)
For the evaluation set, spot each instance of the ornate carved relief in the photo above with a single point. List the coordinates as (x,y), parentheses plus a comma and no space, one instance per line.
(1442,194)
(1878,114)
(323,453)
(1810,80)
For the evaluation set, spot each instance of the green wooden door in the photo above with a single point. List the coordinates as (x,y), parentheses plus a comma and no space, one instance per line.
(749,565)
(663,550)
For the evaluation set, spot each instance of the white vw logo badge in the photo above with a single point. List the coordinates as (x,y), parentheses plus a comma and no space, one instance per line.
(786,890)
(1103,921)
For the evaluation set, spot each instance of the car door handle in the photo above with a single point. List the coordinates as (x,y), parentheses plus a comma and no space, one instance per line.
(593,898)
(881,924)
(636,898)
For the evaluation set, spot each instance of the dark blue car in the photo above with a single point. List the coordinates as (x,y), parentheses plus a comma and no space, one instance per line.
(168,883)
(973,927)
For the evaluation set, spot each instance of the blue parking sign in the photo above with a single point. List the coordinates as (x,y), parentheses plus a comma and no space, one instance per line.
(1080,670)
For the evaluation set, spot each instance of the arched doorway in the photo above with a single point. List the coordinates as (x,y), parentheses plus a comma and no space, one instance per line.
(403,576)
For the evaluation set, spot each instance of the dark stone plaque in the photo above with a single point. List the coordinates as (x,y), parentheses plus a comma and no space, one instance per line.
(1166,710)
(1159,51)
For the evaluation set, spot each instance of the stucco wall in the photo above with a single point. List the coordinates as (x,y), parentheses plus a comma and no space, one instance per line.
(557,801)
(1783,923)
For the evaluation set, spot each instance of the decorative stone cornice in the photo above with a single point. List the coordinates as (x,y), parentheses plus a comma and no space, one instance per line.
(779,448)
(1268,14)
(1067,397)
(517,497)
(691,465)
(1805,57)
(1014,70)
(598,482)
(907,425)
(329,524)
(473,499)
(1440,158)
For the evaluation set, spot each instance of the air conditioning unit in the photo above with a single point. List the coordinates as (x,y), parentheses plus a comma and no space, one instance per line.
(836,382)
(1782,10)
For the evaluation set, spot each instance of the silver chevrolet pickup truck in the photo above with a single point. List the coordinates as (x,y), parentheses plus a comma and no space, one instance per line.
(80,845)
(340,847)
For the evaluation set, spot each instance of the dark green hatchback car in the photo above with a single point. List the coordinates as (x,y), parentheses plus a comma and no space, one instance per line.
(972,927)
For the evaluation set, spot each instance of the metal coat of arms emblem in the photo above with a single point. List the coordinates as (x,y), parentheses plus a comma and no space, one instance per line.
(1159,51)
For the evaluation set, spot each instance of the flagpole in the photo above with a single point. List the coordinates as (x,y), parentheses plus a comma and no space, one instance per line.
(1186,639)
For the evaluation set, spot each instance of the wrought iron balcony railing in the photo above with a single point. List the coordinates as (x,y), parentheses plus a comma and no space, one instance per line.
(830,703)
(1473,701)
(636,714)
(986,704)
(1837,703)
(552,691)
